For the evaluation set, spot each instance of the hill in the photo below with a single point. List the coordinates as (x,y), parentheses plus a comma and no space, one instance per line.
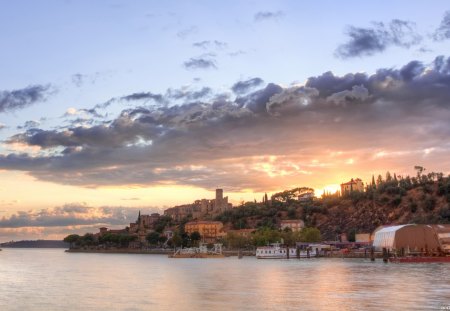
(35,244)
(389,201)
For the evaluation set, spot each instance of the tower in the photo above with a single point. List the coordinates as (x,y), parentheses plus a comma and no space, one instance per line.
(219,195)
(219,199)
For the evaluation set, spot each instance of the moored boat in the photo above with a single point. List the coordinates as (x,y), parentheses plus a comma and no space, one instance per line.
(276,251)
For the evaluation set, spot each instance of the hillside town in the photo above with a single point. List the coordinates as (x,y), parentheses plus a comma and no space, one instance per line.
(350,218)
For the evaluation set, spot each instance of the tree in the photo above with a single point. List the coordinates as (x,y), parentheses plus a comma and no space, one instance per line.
(88,239)
(152,238)
(72,239)
(195,236)
(176,239)
(310,235)
(291,195)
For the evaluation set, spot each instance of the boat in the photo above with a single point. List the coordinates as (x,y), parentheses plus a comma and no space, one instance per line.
(276,251)
(420,259)
(199,252)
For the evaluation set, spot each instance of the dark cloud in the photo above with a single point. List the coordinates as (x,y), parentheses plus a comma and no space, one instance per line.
(22,98)
(257,101)
(271,137)
(210,44)
(200,63)
(74,214)
(376,39)
(242,87)
(443,31)
(267,15)
(143,96)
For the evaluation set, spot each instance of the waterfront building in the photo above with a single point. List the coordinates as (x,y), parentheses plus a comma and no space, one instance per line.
(351,186)
(209,231)
(407,238)
(293,224)
(362,237)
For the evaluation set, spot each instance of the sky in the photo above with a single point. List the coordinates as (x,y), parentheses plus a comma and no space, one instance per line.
(111,107)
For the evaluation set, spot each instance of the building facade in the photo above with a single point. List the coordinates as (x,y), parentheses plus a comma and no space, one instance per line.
(209,231)
(352,185)
(293,224)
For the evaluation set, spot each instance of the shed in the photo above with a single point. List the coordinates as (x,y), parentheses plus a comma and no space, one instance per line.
(412,237)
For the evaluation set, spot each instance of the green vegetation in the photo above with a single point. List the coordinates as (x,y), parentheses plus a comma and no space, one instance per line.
(264,236)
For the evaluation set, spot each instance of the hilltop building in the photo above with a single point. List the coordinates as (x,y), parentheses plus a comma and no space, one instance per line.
(200,208)
(209,231)
(352,185)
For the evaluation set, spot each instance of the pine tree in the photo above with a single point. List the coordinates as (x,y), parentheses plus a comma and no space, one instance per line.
(388,177)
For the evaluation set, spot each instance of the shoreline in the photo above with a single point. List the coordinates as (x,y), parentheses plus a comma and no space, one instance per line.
(230,253)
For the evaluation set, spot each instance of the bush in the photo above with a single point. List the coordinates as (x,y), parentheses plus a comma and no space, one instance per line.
(396,201)
(429,203)
(413,206)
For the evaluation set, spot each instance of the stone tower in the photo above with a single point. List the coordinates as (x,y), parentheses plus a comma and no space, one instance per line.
(219,198)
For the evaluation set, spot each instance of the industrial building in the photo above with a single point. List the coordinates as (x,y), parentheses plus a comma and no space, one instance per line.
(412,238)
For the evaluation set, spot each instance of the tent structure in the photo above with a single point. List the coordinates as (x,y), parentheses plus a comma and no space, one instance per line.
(409,237)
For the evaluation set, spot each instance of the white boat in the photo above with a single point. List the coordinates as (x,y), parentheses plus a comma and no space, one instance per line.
(276,251)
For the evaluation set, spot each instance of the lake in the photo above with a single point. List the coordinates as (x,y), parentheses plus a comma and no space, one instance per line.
(50,279)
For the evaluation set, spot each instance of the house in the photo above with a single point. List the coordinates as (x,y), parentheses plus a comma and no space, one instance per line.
(209,231)
(293,224)
(351,186)
(306,197)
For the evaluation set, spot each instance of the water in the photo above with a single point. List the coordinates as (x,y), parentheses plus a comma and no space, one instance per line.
(49,279)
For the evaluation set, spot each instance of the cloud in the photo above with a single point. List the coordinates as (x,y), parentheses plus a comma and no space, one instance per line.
(242,87)
(184,33)
(237,53)
(22,98)
(186,94)
(200,63)
(267,15)
(443,31)
(376,39)
(264,139)
(78,79)
(72,218)
(73,214)
(210,44)
(29,124)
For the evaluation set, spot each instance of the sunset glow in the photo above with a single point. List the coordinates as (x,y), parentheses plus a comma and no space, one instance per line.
(266,100)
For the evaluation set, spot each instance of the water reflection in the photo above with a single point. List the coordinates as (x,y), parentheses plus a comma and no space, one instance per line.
(54,280)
